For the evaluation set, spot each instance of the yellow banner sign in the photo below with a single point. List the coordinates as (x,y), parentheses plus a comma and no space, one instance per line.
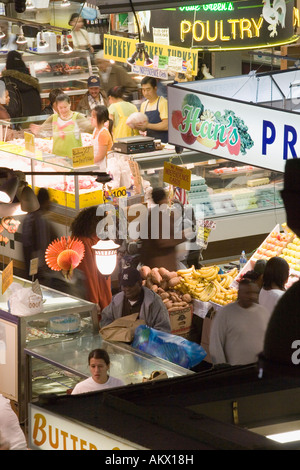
(83,156)
(120,49)
(177,176)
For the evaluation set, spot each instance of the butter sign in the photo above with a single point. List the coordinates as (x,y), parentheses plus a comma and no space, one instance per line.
(83,156)
(177,176)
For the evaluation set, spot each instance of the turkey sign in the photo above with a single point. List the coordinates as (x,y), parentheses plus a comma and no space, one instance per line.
(231,129)
(224,25)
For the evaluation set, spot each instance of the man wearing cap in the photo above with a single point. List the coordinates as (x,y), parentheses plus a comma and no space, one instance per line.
(94,96)
(136,298)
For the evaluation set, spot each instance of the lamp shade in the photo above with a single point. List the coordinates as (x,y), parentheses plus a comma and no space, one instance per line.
(106,256)
(8,189)
(29,201)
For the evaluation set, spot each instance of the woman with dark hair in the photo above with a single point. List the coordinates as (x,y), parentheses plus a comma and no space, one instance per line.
(98,287)
(102,139)
(51,108)
(119,110)
(65,127)
(99,364)
(275,277)
(24,90)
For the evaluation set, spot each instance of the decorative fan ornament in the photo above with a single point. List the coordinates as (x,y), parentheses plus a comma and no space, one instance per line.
(64,255)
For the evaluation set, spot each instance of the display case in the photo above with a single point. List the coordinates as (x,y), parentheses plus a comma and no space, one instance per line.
(57,368)
(242,199)
(18,332)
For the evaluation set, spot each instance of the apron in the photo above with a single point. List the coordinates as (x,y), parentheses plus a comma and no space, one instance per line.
(65,136)
(95,144)
(154,118)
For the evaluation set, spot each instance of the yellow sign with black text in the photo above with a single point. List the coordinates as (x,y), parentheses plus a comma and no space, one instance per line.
(177,176)
(83,156)
(120,49)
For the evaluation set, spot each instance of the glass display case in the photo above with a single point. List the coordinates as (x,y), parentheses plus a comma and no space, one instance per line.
(57,70)
(57,368)
(18,332)
(241,199)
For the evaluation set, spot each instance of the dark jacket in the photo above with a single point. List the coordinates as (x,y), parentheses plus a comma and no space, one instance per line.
(24,92)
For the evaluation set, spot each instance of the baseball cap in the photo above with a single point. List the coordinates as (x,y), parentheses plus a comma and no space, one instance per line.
(129,277)
(93,80)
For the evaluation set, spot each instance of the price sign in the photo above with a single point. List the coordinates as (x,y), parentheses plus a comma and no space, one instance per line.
(117,192)
(34,264)
(83,156)
(7,277)
(177,176)
(29,142)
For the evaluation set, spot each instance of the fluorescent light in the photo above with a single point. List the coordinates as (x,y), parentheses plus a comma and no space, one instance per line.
(284,437)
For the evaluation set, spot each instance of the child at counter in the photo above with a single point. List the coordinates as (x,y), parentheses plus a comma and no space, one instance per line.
(99,364)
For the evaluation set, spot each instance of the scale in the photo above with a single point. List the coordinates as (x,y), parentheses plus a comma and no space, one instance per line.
(135,144)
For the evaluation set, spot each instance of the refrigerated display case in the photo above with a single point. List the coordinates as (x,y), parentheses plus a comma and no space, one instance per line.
(18,332)
(57,368)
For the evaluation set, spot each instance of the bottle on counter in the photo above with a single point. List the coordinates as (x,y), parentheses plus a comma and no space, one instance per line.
(243,260)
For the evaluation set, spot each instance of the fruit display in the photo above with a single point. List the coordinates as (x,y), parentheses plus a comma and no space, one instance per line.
(208,284)
(292,253)
(163,282)
(273,245)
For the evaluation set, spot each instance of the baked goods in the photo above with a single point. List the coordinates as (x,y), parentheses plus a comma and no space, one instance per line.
(64,324)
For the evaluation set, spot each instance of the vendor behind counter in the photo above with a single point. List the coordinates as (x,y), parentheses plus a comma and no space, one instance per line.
(65,127)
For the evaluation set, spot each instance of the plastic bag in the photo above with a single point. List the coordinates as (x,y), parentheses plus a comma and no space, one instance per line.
(23,301)
(119,169)
(170,347)
(137,119)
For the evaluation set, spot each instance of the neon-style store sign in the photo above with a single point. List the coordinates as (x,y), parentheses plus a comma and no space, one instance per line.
(240,28)
(224,6)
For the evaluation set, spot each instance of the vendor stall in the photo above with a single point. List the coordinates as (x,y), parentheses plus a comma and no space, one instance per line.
(25,321)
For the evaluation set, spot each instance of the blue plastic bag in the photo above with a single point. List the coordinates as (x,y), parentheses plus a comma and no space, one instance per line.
(166,346)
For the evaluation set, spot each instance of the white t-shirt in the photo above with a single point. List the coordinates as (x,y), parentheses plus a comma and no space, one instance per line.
(89,385)
(269,298)
(10,429)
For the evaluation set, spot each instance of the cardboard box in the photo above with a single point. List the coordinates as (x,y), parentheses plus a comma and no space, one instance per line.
(181,321)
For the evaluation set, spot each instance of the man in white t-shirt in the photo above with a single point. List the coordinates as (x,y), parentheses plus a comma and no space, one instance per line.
(99,364)
(238,329)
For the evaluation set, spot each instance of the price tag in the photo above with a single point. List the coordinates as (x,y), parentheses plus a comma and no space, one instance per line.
(177,176)
(117,192)
(83,156)
(29,142)
(7,277)
(34,264)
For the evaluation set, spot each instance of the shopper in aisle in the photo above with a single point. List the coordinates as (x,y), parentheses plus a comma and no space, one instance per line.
(275,277)
(79,33)
(11,435)
(102,138)
(238,329)
(113,75)
(51,108)
(281,352)
(156,109)
(161,238)
(97,286)
(24,90)
(136,298)
(119,110)
(37,233)
(99,364)
(65,127)
(259,268)
(95,96)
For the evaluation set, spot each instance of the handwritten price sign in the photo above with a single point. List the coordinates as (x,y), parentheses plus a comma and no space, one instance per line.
(177,176)
(83,156)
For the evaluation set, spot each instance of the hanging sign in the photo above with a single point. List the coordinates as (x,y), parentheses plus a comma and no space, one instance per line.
(83,156)
(226,25)
(231,129)
(150,72)
(177,176)
(120,49)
